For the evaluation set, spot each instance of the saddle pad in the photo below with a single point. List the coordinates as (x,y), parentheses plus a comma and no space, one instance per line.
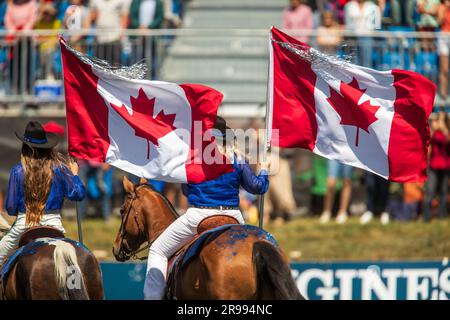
(238,232)
(30,249)
(197,245)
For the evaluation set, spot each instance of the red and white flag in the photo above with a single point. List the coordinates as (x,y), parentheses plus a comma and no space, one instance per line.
(374,120)
(152,129)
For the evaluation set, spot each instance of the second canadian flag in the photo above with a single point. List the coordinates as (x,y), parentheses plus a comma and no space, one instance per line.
(374,120)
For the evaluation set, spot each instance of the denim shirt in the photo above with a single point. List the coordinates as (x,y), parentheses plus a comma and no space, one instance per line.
(64,185)
(224,190)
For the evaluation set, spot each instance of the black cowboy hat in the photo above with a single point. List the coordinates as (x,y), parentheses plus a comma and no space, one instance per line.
(221,126)
(36,137)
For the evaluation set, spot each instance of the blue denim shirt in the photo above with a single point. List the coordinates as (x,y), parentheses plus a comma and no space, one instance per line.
(64,185)
(224,190)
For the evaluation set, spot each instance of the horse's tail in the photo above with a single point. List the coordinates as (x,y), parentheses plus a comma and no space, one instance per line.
(274,278)
(69,278)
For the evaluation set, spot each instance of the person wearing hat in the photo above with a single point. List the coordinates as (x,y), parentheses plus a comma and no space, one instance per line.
(214,197)
(38,185)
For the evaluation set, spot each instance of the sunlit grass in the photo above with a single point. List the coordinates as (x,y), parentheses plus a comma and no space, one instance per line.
(352,241)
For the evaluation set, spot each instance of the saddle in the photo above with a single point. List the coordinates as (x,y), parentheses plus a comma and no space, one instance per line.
(34,233)
(207,230)
(215,221)
(25,241)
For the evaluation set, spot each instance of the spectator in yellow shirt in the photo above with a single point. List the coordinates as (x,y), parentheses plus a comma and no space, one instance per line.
(47,20)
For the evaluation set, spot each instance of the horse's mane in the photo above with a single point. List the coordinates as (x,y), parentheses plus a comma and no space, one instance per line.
(163,197)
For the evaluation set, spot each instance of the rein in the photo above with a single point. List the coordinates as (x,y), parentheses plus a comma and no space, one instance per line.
(133,254)
(143,232)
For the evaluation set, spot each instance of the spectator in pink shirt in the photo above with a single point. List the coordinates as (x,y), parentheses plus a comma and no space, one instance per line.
(20,15)
(438,171)
(298,16)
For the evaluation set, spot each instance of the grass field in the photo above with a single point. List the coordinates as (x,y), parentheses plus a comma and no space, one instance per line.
(305,239)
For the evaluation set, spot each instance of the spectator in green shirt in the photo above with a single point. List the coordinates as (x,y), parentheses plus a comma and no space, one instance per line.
(428,10)
(146,14)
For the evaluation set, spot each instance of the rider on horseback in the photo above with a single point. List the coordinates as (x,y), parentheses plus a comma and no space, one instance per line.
(38,186)
(214,197)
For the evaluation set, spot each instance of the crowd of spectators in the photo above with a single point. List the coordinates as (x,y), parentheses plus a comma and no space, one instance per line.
(109,17)
(107,14)
(368,15)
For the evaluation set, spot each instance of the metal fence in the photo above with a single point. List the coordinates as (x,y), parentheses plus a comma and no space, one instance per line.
(30,62)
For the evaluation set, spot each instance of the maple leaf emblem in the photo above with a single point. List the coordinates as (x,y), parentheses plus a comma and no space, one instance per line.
(142,121)
(351,112)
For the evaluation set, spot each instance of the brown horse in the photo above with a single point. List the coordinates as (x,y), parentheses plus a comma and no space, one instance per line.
(240,263)
(53,269)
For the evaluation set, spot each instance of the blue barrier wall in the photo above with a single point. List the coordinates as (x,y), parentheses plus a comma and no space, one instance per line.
(336,281)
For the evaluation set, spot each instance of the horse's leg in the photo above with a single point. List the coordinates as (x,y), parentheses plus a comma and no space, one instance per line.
(193,282)
(37,275)
(12,289)
(92,274)
(32,278)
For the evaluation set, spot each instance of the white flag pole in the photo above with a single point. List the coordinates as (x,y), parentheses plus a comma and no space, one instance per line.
(80,230)
(268,123)
(70,158)
(79,227)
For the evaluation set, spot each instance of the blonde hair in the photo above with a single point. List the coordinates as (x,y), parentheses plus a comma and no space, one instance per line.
(38,166)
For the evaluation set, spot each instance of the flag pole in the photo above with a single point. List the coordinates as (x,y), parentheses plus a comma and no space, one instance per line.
(79,227)
(266,132)
(80,230)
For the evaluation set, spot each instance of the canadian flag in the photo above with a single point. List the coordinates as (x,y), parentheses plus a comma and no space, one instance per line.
(374,120)
(152,129)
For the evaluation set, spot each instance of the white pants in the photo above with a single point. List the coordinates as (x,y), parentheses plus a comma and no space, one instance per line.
(180,232)
(11,240)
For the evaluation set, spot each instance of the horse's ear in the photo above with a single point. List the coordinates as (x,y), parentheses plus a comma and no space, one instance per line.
(143,181)
(128,185)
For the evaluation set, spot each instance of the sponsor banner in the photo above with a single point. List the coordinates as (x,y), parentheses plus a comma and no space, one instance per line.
(425,280)
(428,280)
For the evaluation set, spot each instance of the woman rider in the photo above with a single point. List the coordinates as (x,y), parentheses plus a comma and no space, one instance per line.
(214,197)
(38,185)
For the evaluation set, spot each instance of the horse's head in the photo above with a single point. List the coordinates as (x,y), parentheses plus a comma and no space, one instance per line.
(145,214)
(133,228)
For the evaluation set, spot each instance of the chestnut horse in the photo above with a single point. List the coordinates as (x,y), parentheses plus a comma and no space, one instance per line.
(231,266)
(54,269)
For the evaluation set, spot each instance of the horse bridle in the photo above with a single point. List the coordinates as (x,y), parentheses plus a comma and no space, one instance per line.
(143,232)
